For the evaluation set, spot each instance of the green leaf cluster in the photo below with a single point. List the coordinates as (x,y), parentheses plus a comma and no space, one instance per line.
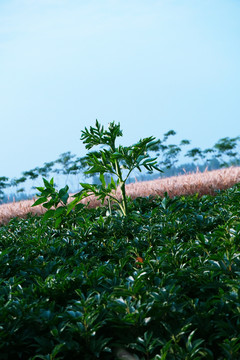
(53,200)
(159,283)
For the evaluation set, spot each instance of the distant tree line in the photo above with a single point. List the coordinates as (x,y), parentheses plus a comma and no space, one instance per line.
(224,153)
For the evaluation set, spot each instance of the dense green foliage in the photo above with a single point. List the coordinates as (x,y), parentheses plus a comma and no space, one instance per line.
(162,282)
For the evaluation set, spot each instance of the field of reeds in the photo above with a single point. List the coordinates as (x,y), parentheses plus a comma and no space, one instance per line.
(205,183)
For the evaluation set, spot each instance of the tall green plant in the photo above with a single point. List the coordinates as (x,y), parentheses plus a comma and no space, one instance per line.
(117,161)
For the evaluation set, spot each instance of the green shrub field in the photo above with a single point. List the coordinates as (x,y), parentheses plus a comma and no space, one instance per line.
(162,282)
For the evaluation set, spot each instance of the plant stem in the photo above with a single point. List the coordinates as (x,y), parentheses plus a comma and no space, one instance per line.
(122,188)
(124,200)
(123,206)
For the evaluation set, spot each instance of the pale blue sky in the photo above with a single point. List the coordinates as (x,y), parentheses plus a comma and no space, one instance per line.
(152,65)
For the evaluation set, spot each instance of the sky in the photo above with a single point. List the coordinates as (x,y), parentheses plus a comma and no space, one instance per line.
(152,65)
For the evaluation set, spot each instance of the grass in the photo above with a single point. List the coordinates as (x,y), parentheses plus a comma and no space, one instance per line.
(161,283)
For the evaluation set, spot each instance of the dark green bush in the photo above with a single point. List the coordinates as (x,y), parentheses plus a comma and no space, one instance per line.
(161,283)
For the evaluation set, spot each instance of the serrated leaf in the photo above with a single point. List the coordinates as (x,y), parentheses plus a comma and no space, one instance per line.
(47,184)
(102,179)
(41,200)
(63,194)
(113,183)
(71,205)
(58,221)
(48,214)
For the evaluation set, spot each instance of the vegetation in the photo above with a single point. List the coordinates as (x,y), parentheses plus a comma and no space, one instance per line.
(111,161)
(162,282)
(223,154)
(158,281)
